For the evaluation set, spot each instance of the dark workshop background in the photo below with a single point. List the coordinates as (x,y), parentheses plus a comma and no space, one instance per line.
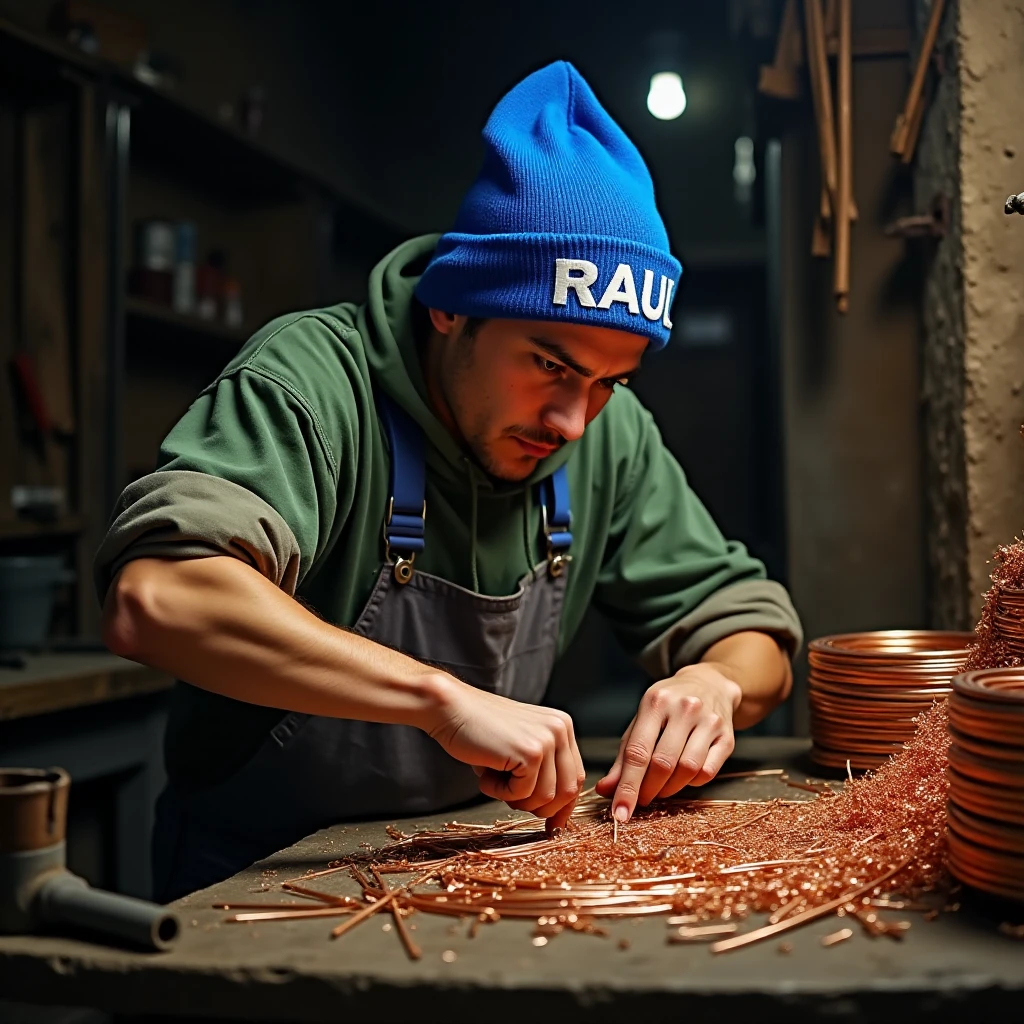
(303,140)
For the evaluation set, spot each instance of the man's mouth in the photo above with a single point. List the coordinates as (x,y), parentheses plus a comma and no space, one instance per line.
(535,451)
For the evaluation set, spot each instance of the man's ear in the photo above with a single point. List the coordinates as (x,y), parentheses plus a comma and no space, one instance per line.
(443,322)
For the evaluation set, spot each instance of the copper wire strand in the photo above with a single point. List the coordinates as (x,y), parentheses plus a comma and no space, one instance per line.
(283,905)
(380,904)
(744,824)
(414,952)
(751,775)
(787,909)
(314,894)
(290,915)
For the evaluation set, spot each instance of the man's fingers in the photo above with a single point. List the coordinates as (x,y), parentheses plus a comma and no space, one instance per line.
(568,782)
(559,820)
(518,784)
(545,787)
(706,751)
(665,761)
(720,752)
(636,758)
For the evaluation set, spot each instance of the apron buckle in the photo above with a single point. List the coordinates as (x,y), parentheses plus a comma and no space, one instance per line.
(557,563)
(404,568)
(405,563)
(558,557)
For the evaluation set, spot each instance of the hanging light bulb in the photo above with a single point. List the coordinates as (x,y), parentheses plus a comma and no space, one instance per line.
(666,99)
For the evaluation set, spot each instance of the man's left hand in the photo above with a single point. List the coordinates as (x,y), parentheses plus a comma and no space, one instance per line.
(680,736)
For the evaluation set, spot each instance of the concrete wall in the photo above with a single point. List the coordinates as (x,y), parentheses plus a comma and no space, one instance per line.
(851,386)
(937,172)
(973,151)
(991,44)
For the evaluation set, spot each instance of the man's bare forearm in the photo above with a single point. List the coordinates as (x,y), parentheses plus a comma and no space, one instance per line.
(220,625)
(761,668)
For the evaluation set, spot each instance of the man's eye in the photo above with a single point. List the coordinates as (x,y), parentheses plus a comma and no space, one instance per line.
(548,365)
(622,382)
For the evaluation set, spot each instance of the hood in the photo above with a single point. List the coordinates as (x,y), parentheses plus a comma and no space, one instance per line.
(394,362)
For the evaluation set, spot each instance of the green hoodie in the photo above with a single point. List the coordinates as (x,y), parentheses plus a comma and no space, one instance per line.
(282,462)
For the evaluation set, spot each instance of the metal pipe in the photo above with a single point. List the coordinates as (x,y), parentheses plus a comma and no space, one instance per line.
(66,899)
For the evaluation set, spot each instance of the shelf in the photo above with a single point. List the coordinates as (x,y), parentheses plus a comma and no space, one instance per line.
(166,129)
(19,529)
(164,323)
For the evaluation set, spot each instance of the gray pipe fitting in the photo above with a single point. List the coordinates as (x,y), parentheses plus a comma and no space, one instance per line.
(36,889)
(64,899)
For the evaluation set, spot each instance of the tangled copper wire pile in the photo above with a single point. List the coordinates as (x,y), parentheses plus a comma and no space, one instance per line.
(986,773)
(867,689)
(999,635)
(708,863)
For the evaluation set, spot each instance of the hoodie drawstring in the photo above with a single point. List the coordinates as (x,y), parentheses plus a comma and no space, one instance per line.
(526,530)
(473,518)
(472,526)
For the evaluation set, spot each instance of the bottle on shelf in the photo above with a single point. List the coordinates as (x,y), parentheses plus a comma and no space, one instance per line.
(184,299)
(152,276)
(210,286)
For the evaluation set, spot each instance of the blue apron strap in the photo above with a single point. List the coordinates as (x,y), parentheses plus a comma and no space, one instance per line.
(556,519)
(405,520)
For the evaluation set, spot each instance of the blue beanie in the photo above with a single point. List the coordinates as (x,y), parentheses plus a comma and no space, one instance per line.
(561,222)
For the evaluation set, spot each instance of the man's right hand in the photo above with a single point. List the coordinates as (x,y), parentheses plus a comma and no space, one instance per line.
(221,625)
(524,754)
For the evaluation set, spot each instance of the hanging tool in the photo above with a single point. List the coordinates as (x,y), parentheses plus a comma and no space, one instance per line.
(908,121)
(845,156)
(821,92)
(780,78)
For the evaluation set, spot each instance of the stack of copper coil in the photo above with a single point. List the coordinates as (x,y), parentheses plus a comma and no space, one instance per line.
(866,689)
(986,780)
(1008,622)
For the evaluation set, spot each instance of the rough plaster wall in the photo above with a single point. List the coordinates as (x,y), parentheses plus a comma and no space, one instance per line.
(945,473)
(991,44)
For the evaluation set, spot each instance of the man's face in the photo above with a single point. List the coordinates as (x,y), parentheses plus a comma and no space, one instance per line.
(517,390)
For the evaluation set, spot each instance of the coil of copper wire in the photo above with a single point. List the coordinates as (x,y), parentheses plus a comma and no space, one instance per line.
(866,689)
(1008,621)
(986,780)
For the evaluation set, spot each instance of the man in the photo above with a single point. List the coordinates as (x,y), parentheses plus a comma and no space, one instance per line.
(358,550)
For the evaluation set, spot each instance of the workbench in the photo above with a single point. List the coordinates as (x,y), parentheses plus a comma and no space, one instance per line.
(44,683)
(101,718)
(957,967)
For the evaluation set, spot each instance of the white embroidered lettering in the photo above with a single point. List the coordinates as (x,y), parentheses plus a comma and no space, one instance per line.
(621,288)
(578,275)
(668,305)
(653,312)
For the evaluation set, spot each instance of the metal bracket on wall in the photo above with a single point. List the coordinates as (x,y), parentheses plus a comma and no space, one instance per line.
(1014,204)
(922,225)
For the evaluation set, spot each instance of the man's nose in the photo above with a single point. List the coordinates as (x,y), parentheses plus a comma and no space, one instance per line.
(568,417)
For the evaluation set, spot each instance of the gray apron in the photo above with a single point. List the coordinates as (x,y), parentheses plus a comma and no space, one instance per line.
(311,772)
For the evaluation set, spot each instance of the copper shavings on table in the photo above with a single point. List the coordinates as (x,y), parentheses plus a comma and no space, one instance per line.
(707,865)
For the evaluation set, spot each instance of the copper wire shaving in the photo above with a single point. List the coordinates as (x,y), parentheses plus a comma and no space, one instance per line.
(707,863)
(999,635)
(867,689)
(986,773)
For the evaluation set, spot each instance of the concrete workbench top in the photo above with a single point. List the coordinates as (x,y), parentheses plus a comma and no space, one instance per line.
(956,967)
